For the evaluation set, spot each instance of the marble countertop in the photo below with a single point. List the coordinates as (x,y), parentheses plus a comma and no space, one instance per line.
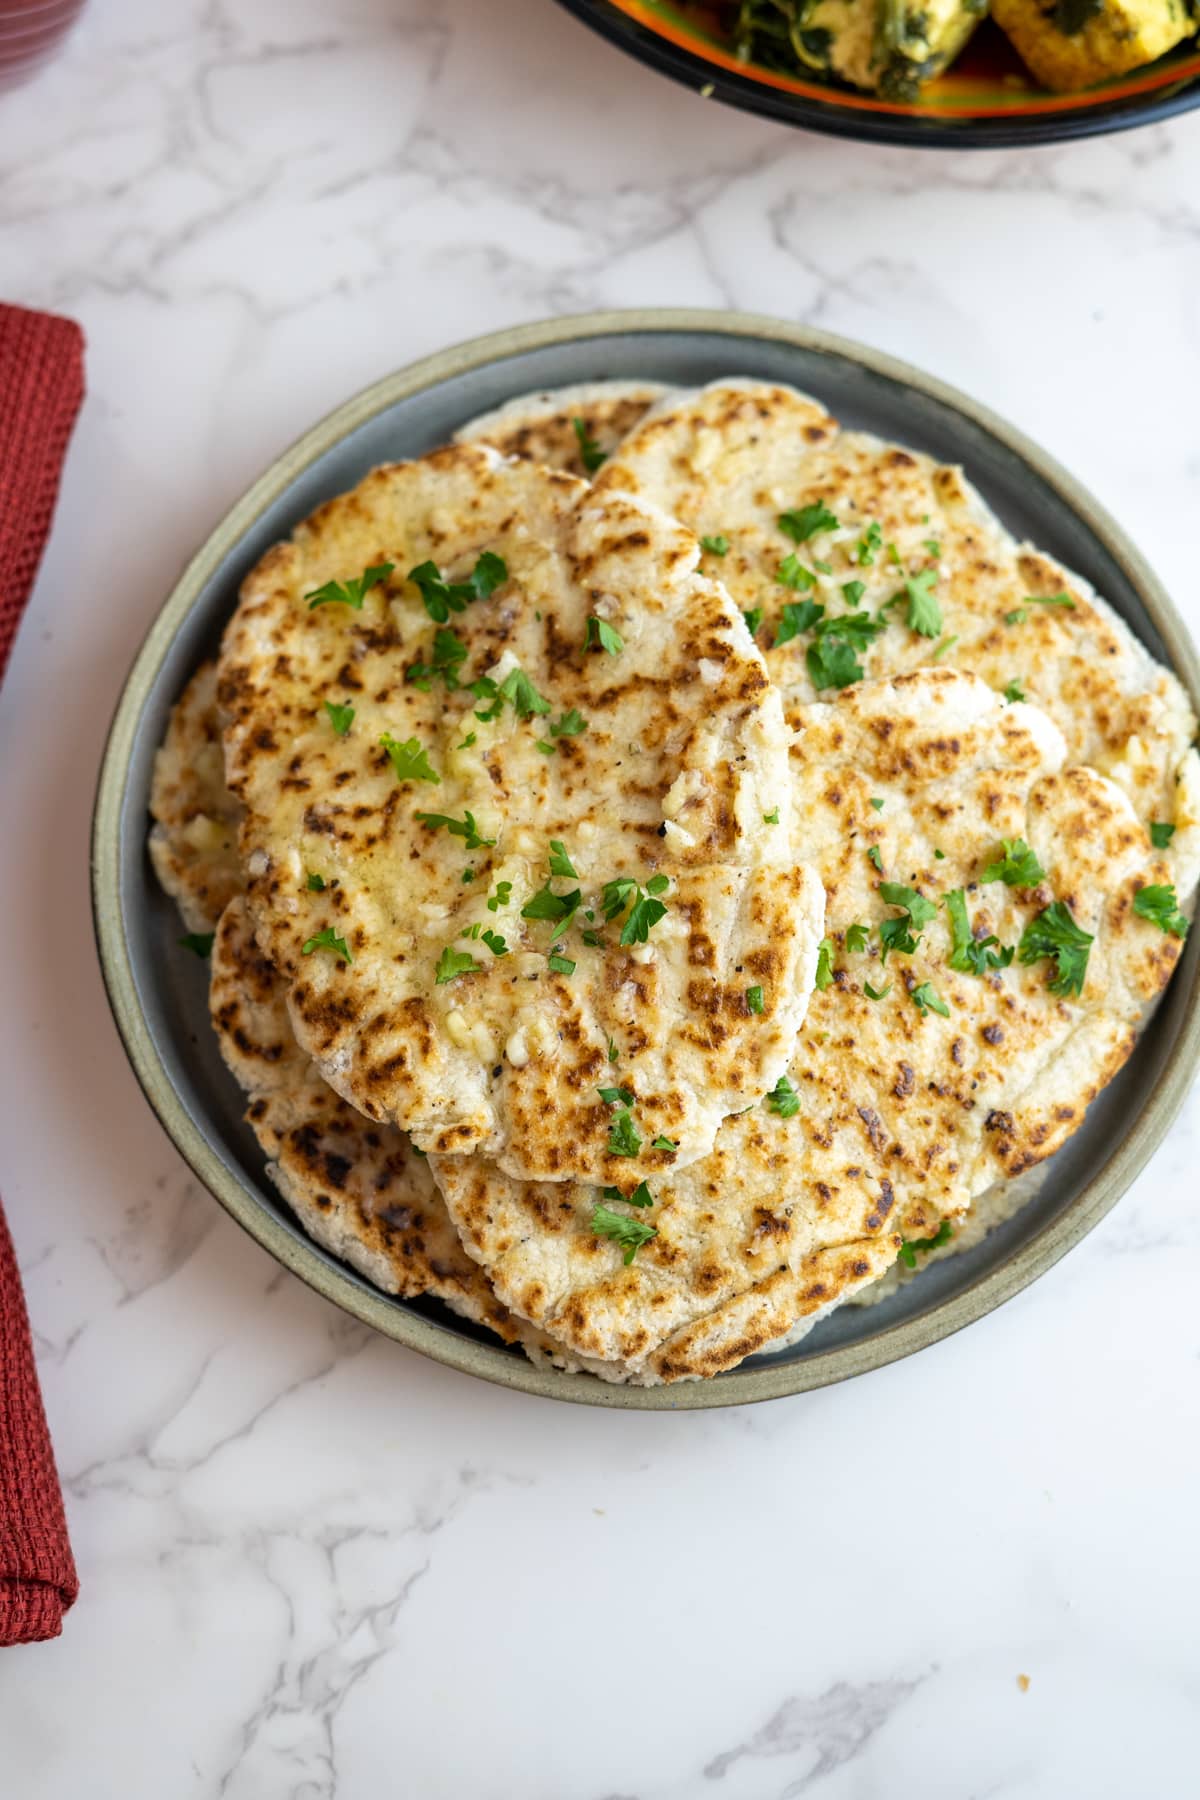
(315,1565)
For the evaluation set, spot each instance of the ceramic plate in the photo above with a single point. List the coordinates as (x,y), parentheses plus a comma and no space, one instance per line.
(158,991)
(987,99)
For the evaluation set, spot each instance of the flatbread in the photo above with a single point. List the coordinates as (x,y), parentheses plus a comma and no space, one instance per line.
(541,427)
(193,842)
(904,1115)
(680,774)
(730,459)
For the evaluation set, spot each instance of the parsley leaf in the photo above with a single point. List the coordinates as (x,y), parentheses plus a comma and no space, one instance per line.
(629,1233)
(560,862)
(792,573)
(525,698)
(494,942)
(924,613)
(349,593)
(824,975)
(832,664)
(1059,599)
(200,943)
(328,940)
(570,725)
(1159,905)
(876,857)
(646,910)
(877,993)
(612,1051)
(1017,616)
(1054,933)
(754,999)
(853,591)
(442,597)
(716,546)
(857,937)
(971,955)
(465,828)
(560,908)
(807,521)
(449,653)
(927,1000)
(623,1136)
(561,965)
(944,648)
(664,1143)
(783,1099)
(878,805)
(641,1195)
(1016,866)
(796,616)
(501,897)
(340,717)
(603,636)
(618,1096)
(1161,834)
(1014,692)
(454,962)
(408,759)
(909,1249)
(316,884)
(753,618)
(895,934)
(590,453)
(857,628)
(869,545)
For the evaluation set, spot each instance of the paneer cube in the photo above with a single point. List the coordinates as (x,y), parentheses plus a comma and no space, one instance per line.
(1071,44)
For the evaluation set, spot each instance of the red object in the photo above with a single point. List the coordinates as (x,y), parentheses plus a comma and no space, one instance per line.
(41,387)
(30,31)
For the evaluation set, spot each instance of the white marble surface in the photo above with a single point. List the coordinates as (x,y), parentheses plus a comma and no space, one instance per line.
(314,1565)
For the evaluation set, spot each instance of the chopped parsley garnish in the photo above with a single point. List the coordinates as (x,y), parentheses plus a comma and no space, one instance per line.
(465,828)
(560,908)
(754,1000)
(911,1246)
(590,453)
(641,1195)
(545,748)
(1016,866)
(664,1143)
(894,555)
(792,573)
(200,943)
(467,741)
(1159,905)
(772,818)
(926,1000)
(824,975)
(517,688)
(857,937)
(562,965)
(1017,616)
(941,855)
(944,648)
(877,993)
(832,664)
(869,545)
(612,1050)
(647,909)
(1054,933)
(933,547)
(570,725)
(623,1136)
(501,897)
(340,717)
(895,934)
(716,546)
(349,593)
(796,616)
(328,940)
(1161,834)
(316,884)
(807,521)
(753,618)
(494,942)
(615,1096)
(454,962)
(924,613)
(603,636)
(449,653)
(1013,692)
(877,804)
(853,591)
(876,857)
(408,759)
(971,955)
(1059,599)
(560,862)
(445,597)
(467,876)
(856,628)
(629,1233)
(783,1099)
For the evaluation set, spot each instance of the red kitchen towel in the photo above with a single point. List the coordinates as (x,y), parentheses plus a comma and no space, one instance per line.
(41,387)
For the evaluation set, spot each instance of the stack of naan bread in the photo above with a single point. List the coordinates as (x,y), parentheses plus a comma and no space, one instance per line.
(669,856)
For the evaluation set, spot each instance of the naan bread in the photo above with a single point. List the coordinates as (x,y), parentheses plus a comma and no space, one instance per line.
(729,459)
(193,843)
(542,428)
(681,773)
(903,1115)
